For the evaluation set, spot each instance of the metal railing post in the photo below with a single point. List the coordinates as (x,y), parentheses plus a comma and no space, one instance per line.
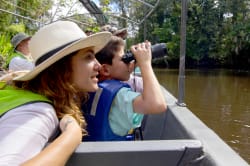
(181,81)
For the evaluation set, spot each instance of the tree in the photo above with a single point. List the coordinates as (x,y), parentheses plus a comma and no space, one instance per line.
(28,16)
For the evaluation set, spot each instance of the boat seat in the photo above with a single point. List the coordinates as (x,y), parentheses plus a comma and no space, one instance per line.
(135,153)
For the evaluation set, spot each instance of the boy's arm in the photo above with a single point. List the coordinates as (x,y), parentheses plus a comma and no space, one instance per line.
(151,100)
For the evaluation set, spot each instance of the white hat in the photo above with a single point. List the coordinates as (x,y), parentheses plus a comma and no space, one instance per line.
(56,40)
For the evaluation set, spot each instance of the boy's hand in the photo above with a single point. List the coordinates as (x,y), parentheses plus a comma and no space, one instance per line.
(142,53)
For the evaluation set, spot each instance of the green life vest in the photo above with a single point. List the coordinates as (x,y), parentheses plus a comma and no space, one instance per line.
(11,98)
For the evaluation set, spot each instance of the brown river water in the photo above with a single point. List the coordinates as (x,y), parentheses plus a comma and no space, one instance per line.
(220,98)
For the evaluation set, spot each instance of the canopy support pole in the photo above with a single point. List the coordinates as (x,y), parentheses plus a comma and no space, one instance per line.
(181,81)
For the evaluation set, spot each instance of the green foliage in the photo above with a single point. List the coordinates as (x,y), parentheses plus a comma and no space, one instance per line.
(15,28)
(12,21)
(28,16)
(6,50)
(218,32)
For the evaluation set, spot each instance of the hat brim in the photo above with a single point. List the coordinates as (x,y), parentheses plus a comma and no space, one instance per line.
(97,41)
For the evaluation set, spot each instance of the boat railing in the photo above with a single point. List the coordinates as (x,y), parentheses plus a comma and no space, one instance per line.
(135,153)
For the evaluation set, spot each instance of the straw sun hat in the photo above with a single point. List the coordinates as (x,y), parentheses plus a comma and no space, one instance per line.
(54,41)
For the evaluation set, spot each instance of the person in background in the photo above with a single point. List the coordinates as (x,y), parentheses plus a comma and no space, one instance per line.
(89,32)
(21,60)
(115,109)
(122,33)
(43,106)
(135,80)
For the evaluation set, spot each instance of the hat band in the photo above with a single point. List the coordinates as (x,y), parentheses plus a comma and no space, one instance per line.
(50,53)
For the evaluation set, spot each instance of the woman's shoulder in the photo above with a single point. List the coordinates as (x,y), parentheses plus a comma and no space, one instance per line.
(34,109)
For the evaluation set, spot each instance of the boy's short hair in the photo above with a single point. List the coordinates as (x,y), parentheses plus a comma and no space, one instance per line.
(106,55)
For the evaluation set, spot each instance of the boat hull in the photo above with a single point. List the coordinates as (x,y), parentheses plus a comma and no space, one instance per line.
(175,137)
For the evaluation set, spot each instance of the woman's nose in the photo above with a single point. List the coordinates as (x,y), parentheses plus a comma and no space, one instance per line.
(97,65)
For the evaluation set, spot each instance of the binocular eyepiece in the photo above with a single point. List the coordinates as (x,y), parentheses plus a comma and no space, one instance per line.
(158,50)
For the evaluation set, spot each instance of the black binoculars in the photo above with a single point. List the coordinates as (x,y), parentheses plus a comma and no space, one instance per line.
(158,50)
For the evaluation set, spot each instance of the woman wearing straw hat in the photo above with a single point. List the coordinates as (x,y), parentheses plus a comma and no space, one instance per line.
(35,104)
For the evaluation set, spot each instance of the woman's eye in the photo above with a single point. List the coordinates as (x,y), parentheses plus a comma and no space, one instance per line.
(89,55)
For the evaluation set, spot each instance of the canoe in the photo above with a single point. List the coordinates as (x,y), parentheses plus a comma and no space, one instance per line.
(174,138)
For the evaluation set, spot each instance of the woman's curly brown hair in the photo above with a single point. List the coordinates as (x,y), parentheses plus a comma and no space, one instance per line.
(56,84)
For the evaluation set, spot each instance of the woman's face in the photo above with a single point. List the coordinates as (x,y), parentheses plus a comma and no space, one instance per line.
(85,70)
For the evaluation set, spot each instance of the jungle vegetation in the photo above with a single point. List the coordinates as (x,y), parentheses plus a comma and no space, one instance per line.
(217,33)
